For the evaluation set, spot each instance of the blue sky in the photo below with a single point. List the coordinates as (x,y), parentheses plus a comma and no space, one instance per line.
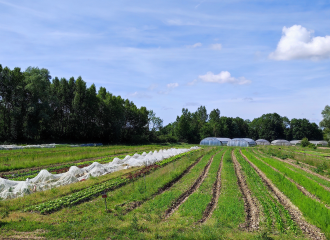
(245,58)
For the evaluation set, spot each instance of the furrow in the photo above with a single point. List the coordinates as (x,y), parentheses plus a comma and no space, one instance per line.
(251,208)
(301,188)
(312,231)
(191,190)
(215,196)
(164,188)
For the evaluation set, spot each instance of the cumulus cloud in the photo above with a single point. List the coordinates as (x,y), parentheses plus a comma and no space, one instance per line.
(172,85)
(216,46)
(298,43)
(195,45)
(223,77)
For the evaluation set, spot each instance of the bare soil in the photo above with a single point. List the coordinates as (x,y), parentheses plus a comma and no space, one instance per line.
(250,203)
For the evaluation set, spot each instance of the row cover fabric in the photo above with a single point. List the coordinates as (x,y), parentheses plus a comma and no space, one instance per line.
(45,180)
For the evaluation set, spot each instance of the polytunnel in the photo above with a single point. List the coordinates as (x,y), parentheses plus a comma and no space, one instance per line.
(295,142)
(262,142)
(224,141)
(211,141)
(319,143)
(241,142)
(281,142)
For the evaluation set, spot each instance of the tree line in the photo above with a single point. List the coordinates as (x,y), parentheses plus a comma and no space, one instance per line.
(36,108)
(192,127)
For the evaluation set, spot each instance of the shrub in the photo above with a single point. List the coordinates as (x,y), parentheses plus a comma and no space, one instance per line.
(305,142)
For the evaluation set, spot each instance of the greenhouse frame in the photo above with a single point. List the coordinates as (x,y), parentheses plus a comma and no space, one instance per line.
(211,141)
(295,142)
(281,142)
(262,142)
(317,143)
(242,142)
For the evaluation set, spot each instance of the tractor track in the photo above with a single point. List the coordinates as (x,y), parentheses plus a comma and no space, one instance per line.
(215,196)
(251,207)
(312,231)
(190,191)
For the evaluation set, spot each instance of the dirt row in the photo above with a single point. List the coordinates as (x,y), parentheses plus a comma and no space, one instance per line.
(133,205)
(312,231)
(250,203)
(190,191)
(215,196)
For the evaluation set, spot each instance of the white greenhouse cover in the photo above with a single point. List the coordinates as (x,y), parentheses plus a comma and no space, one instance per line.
(46,180)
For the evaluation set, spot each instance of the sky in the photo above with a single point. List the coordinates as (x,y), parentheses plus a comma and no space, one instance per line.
(246,58)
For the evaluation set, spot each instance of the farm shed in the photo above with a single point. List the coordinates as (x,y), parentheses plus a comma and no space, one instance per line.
(262,142)
(211,141)
(319,143)
(281,142)
(242,142)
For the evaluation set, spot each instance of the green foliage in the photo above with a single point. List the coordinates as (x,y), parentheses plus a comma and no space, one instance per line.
(305,142)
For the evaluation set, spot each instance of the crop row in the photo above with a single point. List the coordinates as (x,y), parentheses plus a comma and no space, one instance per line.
(95,190)
(21,176)
(275,214)
(316,212)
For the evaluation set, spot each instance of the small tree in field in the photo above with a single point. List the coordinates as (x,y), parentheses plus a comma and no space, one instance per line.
(305,142)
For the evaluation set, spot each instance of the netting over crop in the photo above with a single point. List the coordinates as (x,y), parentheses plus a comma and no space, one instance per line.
(262,142)
(46,180)
(281,142)
(242,142)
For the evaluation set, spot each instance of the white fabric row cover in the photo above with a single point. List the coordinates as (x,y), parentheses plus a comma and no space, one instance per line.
(45,180)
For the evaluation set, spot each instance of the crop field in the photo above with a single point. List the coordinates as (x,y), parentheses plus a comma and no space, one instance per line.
(262,192)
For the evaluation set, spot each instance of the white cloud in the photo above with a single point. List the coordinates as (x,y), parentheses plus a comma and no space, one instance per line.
(172,85)
(192,82)
(216,46)
(298,43)
(195,45)
(223,77)
(139,95)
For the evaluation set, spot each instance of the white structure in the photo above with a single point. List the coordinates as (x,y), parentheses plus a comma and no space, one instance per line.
(241,142)
(322,143)
(262,142)
(281,142)
(46,180)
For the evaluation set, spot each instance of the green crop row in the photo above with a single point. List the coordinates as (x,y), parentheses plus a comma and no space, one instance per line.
(310,185)
(198,201)
(314,211)
(272,209)
(87,193)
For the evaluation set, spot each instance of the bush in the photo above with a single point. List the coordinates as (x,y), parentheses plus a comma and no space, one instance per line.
(305,142)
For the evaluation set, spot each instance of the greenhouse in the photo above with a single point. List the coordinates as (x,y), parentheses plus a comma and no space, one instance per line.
(211,141)
(281,142)
(224,141)
(262,142)
(319,143)
(242,142)
(295,142)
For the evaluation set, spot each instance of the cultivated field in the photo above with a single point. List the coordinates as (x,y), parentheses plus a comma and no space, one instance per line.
(263,192)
